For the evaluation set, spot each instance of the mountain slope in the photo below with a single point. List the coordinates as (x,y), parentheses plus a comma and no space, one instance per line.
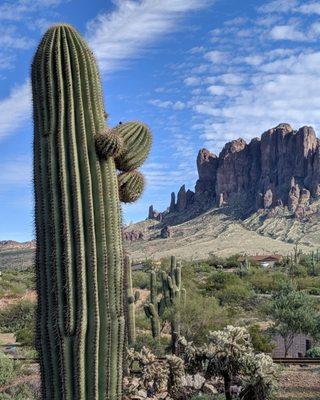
(216,232)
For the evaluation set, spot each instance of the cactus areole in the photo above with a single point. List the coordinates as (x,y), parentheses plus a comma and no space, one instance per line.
(79,258)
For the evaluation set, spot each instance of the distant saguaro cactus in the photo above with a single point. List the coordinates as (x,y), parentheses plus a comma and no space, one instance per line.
(174,297)
(79,258)
(154,308)
(130,298)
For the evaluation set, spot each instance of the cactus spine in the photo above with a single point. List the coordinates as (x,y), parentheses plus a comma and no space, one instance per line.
(79,258)
(130,302)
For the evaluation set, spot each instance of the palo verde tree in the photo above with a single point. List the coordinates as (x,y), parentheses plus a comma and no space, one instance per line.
(79,259)
(292,312)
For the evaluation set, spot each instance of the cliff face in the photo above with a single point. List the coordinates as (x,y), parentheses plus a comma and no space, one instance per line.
(281,168)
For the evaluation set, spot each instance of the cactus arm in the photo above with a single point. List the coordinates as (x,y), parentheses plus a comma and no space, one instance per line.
(137,143)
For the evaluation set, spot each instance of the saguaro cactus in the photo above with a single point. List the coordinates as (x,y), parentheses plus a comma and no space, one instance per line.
(131,299)
(154,308)
(174,296)
(79,258)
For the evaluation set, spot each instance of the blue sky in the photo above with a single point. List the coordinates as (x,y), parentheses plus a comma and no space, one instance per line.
(199,72)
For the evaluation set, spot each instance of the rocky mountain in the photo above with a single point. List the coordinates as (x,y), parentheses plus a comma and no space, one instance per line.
(13,245)
(279,169)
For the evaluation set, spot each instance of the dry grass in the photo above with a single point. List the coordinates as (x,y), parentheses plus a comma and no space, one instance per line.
(215,233)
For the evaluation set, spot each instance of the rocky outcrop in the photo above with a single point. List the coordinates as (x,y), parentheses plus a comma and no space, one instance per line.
(280,168)
(132,236)
(166,232)
(154,214)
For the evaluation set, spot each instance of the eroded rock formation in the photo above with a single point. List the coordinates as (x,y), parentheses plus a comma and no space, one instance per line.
(280,168)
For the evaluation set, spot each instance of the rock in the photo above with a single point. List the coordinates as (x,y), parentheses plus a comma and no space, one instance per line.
(221,200)
(279,169)
(172,207)
(304,196)
(132,236)
(268,199)
(261,173)
(181,199)
(209,389)
(166,232)
(154,214)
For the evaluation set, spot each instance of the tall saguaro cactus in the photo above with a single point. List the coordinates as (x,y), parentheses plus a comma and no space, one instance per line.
(79,258)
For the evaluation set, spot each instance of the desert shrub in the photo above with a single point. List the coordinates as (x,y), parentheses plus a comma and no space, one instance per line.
(261,340)
(15,283)
(206,397)
(220,280)
(314,352)
(313,291)
(140,279)
(7,370)
(142,322)
(26,335)
(266,281)
(299,271)
(200,316)
(24,391)
(146,340)
(307,282)
(17,316)
(239,295)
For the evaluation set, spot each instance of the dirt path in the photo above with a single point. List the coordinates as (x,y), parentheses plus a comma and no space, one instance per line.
(300,383)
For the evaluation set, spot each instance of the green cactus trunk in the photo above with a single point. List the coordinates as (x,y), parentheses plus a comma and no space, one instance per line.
(130,303)
(79,258)
(152,308)
(175,297)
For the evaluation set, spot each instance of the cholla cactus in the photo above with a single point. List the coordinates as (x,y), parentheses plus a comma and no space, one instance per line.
(175,375)
(259,377)
(157,375)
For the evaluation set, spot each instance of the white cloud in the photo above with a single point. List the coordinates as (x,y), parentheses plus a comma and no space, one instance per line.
(216,90)
(311,8)
(287,32)
(231,79)
(17,10)
(279,6)
(253,60)
(285,90)
(134,26)
(15,109)
(192,81)
(217,56)
(178,105)
(10,39)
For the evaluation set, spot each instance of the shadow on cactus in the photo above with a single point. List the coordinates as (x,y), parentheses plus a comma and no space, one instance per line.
(79,259)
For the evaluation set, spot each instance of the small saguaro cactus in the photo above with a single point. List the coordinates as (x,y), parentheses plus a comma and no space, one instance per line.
(154,308)
(79,259)
(174,297)
(131,299)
